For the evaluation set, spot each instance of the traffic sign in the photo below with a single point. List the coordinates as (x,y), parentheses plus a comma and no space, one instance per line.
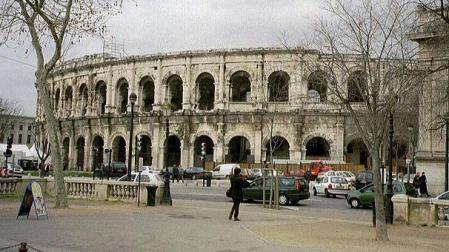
(7,153)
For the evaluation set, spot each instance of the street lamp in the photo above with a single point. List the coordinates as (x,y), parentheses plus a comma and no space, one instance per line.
(389,194)
(409,158)
(166,197)
(203,158)
(132,99)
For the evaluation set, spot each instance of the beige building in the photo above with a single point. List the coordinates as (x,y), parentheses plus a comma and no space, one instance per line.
(232,100)
(20,128)
(432,34)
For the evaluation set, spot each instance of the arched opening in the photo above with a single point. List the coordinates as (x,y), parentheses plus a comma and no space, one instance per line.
(80,143)
(357,87)
(239,150)
(147,85)
(197,150)
(122,89)
(174,85)
(57,98)
(278,83)
(317,82)
(240,87)
(357,153)
(205,91)
(97,148)
(65,153)
(145,151)
(277,148)
(174,151)
(100,97)
(119,149)
(317,148)
(83,96)
(68,100)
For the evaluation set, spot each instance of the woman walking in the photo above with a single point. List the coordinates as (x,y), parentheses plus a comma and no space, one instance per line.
(423,185)
(416,184)
(238,182)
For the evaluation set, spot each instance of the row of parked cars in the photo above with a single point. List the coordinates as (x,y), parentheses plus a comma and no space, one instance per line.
(11,170)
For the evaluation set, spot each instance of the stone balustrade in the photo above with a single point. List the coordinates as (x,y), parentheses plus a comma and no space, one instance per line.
(419,211)
(8,186)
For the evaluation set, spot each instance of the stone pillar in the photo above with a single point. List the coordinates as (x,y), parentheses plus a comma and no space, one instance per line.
(110,88)
(259,92)
(219,89)
(185,159)
(303,152)
(158,87)
(87,148)
(156,142)
(186,86)
(258,144)
(71,160)
(219,146)
(339,139)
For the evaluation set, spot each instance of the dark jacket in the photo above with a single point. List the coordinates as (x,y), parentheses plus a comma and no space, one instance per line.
(423,184)
(416,181)
(237,184)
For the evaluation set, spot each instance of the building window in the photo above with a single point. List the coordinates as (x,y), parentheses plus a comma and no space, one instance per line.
(21,127)
(20,138)
(29,139)
(29,127)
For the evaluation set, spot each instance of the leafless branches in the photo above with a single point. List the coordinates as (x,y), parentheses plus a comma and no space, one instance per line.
(8,109)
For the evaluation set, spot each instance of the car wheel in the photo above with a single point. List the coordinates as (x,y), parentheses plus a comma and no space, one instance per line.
(354,203)
(193,177)
(283,200)
(327,194)
(314,191)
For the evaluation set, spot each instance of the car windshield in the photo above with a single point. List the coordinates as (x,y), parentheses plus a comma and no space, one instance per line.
(444,196)
(287,181)
(338,180)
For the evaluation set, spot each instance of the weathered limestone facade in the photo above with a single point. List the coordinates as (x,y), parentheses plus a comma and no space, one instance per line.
(432,34)
(225,98)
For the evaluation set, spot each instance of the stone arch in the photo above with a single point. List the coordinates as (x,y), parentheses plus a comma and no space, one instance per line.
(239,150)
(356,152)
(205,91)
(174,150)
(83,98)
(145,149)
(240,86)
(65,152)
(207,133)
(100,97)
(174,92)
(68,100)
(317,85)
(318,148)
(357,86)
(209,144)
(119,149)
(97,151)
(80,148)
(122,89)
(147,91)
(278,86)
(280,148)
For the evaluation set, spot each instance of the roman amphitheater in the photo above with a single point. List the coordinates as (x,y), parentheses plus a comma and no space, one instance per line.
(233,100)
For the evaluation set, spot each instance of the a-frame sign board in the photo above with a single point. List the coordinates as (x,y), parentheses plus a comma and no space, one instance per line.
(33,197)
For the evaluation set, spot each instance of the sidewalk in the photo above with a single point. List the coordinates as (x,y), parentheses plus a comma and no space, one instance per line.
(203,226)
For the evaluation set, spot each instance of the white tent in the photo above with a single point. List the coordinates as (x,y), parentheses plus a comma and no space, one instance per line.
(32,152)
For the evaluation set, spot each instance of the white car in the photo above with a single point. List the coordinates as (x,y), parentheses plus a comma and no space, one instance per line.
(223,171)
(15,170)
(147,177)
(444,196)
(331,186)
(349,176)
(150,169)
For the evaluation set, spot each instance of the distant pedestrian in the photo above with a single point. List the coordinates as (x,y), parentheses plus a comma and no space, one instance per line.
(238,182)
(416,184)
(423,185)
(175,174)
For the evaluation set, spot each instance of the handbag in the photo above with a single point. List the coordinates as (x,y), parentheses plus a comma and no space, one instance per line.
(228,193)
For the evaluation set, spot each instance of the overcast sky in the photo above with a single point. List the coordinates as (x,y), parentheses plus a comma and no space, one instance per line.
(153,26)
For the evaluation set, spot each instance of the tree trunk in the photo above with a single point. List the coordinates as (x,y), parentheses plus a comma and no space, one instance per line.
(52,128)
(381,226)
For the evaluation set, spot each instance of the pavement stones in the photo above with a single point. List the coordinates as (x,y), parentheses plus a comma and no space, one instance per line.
(203,226)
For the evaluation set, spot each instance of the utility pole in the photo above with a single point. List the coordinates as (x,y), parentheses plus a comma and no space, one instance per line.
(389,204)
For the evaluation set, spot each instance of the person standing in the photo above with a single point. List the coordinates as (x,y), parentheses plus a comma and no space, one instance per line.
(238,182)
(416,184)
(423,185)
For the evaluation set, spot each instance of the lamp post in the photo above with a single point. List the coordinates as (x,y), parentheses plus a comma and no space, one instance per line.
(94,149)
(389,194)
(132,99)
(166,196)
(410,152)
(203,158)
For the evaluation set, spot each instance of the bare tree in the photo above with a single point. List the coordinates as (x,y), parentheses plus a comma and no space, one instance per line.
(53,25)
(365,44)
(42,146)
(8,109)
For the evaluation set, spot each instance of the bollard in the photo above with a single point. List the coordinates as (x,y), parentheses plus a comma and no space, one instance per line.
(374,214)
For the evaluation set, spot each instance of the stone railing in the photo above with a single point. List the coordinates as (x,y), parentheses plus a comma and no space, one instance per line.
(82,188)
(8,186)
(419,211)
